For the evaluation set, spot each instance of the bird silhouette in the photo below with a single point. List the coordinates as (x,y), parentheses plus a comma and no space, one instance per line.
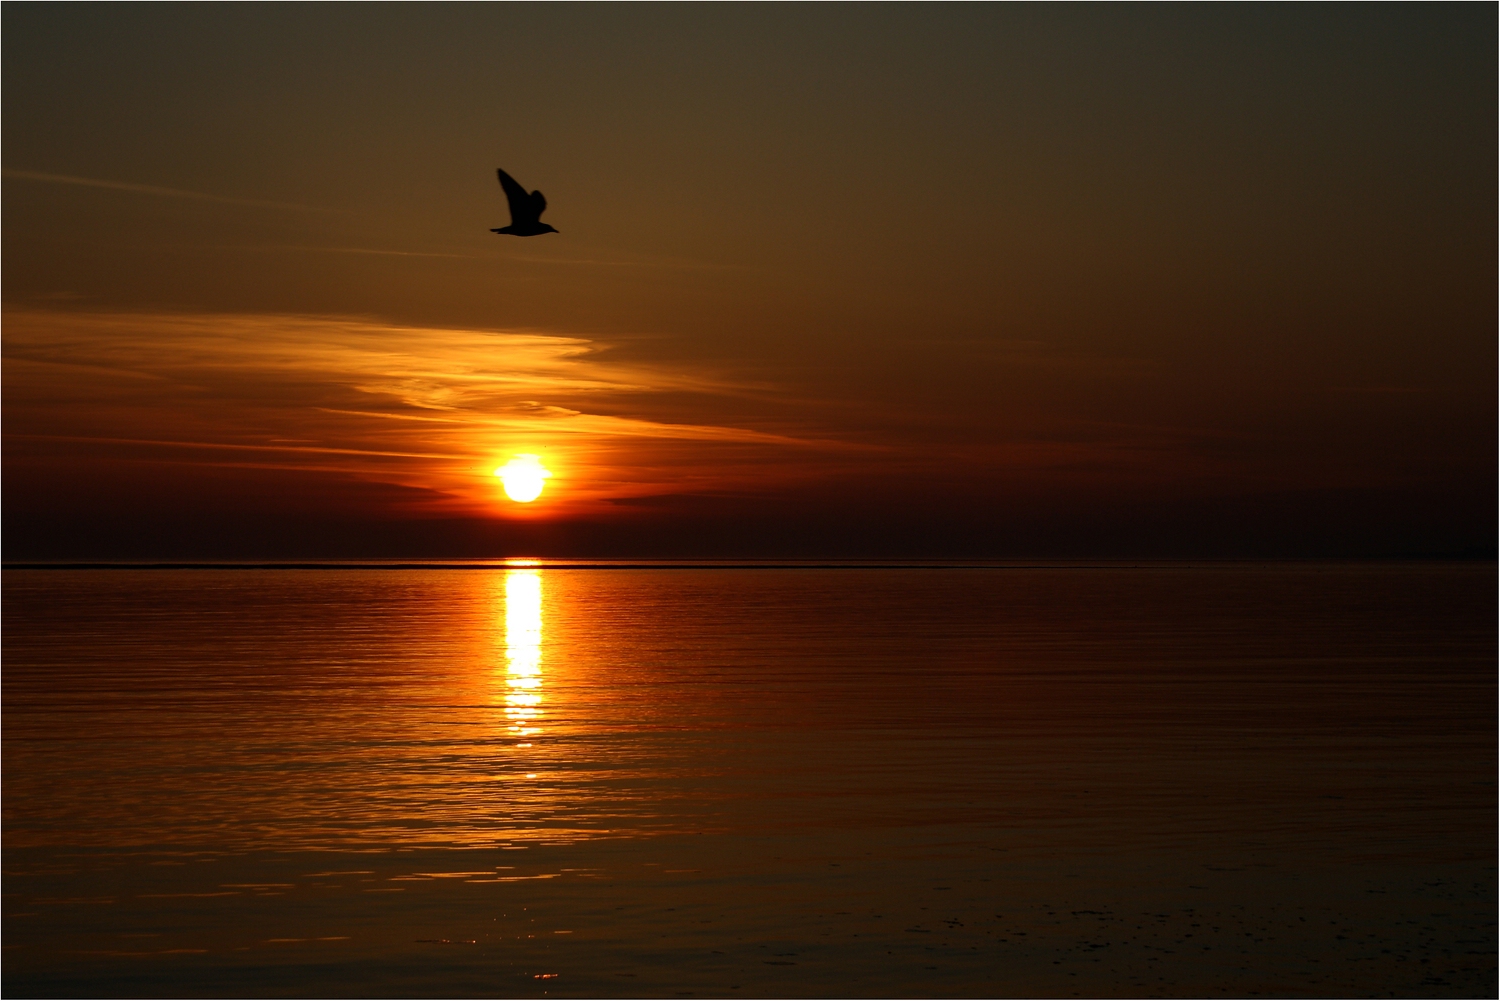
(525,210)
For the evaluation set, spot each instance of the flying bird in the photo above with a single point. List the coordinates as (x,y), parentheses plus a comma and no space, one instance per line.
(525,210)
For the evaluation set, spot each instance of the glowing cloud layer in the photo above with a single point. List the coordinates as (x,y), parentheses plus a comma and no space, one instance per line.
(426,408)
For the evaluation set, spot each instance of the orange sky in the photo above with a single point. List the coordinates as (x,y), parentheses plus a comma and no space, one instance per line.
(829,281)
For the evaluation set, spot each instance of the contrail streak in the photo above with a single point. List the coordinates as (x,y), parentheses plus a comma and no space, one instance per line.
(151,189)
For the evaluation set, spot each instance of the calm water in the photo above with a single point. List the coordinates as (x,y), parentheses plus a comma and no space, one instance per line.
(1193,781)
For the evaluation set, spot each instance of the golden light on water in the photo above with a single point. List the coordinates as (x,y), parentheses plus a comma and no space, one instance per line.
(523,478)
(523,651)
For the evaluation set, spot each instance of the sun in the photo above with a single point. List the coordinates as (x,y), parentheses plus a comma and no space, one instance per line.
(523,478)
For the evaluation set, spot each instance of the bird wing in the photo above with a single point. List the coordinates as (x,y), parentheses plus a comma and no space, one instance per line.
(520,203)
(538,202)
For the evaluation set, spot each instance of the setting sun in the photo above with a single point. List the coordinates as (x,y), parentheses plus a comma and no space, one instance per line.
(523,478)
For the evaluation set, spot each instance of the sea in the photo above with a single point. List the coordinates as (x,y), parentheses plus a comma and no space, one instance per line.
(534,778)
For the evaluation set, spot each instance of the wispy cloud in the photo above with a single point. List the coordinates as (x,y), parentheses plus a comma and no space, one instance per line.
(420,417)
(433,408)
(638,261)
(225,446)
(369,251)
(152,189)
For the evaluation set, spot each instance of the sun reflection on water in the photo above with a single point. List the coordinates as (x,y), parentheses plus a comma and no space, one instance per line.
(523,651)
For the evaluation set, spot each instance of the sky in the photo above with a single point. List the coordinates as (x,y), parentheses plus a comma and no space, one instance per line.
(830,281)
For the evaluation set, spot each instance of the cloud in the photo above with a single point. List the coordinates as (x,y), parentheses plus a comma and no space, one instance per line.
(423,407)
(365,251)
(431,412)
(151,189)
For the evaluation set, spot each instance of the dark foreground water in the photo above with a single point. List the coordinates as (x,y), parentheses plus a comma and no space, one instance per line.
(1163,781)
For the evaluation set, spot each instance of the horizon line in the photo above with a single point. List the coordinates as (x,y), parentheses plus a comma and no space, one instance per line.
(527,563)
